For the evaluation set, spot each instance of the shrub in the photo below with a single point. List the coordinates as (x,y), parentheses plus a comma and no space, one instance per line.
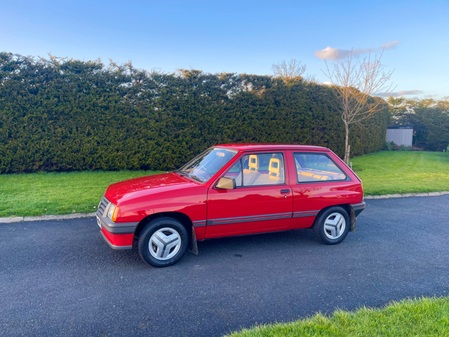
(72,115)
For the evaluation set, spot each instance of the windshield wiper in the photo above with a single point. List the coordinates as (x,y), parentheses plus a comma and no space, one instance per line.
(191,176)
(194,177)
(182,173)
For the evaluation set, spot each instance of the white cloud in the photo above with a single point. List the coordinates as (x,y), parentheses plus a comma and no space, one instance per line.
(389,45)
(330,53)
(399,93)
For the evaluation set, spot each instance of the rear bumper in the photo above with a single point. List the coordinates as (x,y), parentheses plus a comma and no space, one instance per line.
(356,209)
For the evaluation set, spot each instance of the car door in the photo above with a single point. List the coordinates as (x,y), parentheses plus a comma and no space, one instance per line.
(260,202)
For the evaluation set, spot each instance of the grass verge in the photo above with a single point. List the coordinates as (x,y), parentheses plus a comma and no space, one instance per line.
(422,317)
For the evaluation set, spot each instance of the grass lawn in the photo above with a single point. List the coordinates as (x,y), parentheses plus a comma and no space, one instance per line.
(423,317)
(391,172)
(56,193)
(79,192)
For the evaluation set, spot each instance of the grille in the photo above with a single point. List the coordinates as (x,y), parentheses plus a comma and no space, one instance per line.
(102,206)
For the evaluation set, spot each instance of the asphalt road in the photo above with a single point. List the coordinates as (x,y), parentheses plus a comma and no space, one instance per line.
(58,278)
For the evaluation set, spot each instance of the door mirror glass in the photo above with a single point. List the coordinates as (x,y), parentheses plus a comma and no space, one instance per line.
(226,183)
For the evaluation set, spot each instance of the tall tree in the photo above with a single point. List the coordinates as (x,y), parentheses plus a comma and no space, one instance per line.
(356,80)
(290,71)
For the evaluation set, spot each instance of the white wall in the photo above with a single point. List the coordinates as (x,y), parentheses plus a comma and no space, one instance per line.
(400,136)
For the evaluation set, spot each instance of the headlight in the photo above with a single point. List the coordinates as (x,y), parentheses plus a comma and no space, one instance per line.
(112,212)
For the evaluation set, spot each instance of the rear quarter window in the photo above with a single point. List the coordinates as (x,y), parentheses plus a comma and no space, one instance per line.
(316,167)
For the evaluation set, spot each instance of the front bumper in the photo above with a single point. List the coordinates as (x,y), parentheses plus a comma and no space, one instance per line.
(118,241)
(118,235)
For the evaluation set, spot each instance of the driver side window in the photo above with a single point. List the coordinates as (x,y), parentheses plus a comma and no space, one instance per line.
(258,170)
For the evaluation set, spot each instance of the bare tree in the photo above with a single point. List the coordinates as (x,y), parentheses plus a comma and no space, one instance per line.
(290,71)
(356,80)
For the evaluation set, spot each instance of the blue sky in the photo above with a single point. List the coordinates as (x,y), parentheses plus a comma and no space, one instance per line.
(238,36)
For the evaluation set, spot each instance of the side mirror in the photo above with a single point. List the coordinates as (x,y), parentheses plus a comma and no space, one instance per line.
(226,183)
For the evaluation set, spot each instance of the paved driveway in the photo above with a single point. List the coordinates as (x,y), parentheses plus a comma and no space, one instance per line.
(60,278)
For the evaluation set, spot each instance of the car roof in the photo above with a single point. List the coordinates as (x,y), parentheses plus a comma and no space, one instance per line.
(269,147)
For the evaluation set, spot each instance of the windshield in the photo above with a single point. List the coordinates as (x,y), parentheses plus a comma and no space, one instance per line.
(204,166)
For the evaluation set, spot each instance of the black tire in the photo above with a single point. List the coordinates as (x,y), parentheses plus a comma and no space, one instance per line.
(163,242)
(332,225)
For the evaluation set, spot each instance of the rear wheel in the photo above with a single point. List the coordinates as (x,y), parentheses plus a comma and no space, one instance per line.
(163,242)
(332,225)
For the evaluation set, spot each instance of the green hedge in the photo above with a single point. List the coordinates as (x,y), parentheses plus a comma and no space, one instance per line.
(66,115)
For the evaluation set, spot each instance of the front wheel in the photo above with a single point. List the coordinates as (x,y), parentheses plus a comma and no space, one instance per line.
(332,225)
(163,242)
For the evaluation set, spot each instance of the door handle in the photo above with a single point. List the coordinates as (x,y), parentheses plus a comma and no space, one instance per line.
(285,191)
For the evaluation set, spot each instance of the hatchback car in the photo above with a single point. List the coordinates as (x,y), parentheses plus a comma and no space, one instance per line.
(229,190)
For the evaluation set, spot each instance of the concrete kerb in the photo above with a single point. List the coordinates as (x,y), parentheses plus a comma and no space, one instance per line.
(46,217)
(406,195)
(91,215)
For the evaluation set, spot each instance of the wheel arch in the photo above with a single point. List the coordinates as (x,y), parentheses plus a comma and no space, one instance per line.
(347,208)
(181,217)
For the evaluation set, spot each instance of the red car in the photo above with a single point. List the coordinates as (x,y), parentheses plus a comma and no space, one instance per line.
(228,190)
